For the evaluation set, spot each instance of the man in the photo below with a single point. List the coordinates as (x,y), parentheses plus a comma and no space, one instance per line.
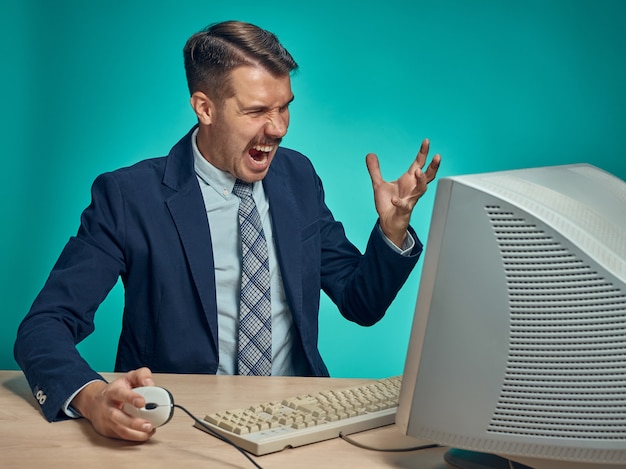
(169,228)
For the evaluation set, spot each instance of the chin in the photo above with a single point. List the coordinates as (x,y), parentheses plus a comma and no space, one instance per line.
(252,176)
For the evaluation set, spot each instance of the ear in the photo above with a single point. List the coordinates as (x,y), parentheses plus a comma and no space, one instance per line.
(202,106)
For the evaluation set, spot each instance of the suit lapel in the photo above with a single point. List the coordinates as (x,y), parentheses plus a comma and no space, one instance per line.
(286,234)
(187,209)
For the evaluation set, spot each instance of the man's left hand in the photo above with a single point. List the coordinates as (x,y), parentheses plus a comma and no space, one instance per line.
(395,200)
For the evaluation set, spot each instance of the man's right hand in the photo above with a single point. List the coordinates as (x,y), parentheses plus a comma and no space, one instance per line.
(101,403)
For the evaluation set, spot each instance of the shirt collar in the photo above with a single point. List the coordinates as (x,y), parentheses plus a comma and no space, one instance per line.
(222,182)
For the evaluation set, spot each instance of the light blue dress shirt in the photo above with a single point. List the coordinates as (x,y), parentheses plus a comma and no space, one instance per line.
(222,208)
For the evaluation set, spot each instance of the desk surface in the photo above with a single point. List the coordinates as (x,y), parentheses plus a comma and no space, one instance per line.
(28,440)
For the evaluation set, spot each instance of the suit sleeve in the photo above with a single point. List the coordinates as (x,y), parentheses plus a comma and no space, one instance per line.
(63,312)
(363,286)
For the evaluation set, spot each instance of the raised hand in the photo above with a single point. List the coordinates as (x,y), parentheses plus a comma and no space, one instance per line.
(395,200)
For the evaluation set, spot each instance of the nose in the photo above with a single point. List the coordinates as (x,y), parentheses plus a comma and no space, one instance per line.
(277,124)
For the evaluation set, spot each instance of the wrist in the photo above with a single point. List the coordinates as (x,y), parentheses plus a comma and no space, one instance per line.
(396,234)
(398,241)
(86,399)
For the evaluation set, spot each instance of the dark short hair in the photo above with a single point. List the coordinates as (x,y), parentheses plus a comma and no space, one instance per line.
(211,54)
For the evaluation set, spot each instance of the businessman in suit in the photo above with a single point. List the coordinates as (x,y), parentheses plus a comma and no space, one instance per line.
(169,228)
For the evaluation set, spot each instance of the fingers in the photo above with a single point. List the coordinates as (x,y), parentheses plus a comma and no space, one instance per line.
(118,424)
(420,158)
(132,428)
(373,167)
(120,391)
(140,377)
(125,394)
(420,162)
(423,178)
(423,153)
(433,167)
(412,184)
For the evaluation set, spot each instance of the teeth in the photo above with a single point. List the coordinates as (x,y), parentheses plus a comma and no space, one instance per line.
(264,148)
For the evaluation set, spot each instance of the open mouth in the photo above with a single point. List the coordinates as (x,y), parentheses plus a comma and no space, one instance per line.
(260,153)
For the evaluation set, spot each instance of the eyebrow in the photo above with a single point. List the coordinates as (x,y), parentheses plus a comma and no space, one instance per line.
(264,108)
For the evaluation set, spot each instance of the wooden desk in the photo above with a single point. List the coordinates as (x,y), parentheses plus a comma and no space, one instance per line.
(28,440)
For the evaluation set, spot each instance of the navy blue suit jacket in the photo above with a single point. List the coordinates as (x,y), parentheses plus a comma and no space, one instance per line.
(147,224)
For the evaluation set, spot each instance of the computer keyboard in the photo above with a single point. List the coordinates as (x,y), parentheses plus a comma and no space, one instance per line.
(300,420)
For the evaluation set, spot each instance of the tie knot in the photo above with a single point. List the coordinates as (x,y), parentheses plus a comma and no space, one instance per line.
(242,189)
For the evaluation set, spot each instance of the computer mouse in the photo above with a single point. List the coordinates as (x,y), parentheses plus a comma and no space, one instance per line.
(159,406)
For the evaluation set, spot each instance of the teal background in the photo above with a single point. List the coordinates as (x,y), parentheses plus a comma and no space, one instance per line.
(89,86)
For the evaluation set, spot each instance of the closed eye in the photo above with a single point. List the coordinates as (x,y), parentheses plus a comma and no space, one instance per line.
(264,110)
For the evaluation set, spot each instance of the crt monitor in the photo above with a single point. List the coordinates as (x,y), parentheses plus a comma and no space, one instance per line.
(518,344)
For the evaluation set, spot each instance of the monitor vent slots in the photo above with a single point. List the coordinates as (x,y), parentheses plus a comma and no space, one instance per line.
(566,370)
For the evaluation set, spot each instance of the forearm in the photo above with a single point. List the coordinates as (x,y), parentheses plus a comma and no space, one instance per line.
(364,291)
(54,371)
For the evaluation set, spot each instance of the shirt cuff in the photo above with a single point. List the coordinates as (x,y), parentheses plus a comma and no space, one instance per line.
(67,407)
(407,245)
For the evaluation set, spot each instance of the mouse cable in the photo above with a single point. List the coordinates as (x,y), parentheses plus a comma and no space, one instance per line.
(347,439)
(217,435)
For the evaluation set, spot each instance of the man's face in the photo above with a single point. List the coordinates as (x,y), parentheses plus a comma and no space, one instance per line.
(245,129)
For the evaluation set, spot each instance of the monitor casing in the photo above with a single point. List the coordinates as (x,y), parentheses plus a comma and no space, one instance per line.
(518,345)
